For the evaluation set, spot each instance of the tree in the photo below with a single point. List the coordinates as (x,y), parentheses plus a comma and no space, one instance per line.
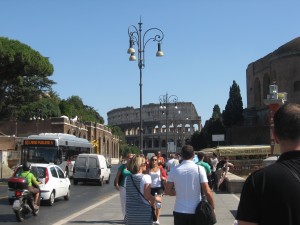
(198,140)
(124,147)
(216,113)
(233,113)
(24,76)
(74,106)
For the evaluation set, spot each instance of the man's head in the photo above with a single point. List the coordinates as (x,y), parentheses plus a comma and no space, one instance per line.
(26,166)
(187,152)
(201,156)
(287,124)
(158,154)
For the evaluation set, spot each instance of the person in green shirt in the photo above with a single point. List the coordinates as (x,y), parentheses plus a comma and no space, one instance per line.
(120,183)
(33,184)
(206,166)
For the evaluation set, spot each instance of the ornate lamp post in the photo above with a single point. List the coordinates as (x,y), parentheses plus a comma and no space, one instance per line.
(137,38)
(164,103)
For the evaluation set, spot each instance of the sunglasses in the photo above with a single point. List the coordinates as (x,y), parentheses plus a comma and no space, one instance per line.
(154,159)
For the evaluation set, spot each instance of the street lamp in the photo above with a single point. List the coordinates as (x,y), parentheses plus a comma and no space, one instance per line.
(136,37)
(164,103)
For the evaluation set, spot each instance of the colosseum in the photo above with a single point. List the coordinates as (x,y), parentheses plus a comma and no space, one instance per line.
(181,122)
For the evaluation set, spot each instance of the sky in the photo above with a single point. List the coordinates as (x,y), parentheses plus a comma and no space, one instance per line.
(207,45)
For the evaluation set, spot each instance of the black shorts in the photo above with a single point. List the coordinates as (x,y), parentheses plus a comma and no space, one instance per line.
(158,190)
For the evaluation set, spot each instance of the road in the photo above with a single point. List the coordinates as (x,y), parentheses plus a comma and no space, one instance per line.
(82,196)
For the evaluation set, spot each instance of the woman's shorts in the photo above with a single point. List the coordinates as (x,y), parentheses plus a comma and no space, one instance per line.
(158,190)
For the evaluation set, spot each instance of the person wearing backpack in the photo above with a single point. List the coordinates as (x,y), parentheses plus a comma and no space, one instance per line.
(33,184)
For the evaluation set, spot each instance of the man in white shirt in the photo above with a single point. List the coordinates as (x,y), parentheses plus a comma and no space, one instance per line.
(172,163)
(186,178)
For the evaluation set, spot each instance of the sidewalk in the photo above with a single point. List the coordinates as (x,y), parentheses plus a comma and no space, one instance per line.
(108,211)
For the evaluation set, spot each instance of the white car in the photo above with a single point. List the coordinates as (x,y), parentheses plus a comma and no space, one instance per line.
(54,183)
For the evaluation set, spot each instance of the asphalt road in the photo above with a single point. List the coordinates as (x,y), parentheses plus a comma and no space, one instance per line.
(82,196)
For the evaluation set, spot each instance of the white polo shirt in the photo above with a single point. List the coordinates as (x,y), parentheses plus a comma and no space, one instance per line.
(187,185)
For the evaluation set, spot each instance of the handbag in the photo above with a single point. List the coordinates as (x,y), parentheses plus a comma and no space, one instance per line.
(204,213)
(154,218)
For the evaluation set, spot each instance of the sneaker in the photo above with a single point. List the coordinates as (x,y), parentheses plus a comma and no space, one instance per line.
(36,207)
(156,222)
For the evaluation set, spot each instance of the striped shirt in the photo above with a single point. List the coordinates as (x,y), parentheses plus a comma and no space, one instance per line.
(138,210)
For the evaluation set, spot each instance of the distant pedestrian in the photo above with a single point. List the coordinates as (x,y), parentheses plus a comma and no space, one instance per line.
(172,162)
(206,166)
(123,172)
(138,194)
(214,162)
(184,183)
(271,196)
(222,169)
(160,158)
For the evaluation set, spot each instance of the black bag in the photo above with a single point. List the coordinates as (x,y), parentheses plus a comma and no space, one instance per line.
(205,214)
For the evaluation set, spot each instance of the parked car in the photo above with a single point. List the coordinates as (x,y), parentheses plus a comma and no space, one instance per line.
(54,183)
(91,168)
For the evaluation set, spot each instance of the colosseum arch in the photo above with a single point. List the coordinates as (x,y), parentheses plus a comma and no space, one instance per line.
(266,83)
(257,93)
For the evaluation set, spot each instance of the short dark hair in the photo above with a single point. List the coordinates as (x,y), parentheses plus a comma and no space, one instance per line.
(287,122)
(200,155)
(187,152)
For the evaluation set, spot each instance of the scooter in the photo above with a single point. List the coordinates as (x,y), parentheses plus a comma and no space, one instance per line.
(24,203)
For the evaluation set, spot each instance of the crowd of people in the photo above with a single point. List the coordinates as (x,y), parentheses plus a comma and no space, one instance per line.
(151,178)
(265,199)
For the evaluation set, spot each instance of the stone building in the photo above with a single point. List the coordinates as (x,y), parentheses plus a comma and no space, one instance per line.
(176,124)
(99,135)
(281,66)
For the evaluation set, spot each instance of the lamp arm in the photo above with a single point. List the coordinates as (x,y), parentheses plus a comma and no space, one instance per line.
(157,37)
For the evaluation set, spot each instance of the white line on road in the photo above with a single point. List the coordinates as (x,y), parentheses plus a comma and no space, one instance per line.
(66,220)
(236,197)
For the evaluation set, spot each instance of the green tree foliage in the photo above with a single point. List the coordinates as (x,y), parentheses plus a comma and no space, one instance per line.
(45,107)
(23,76)
(214,125)
(124,147)
(216,113)
(74,106)
(233,113)
(198,140)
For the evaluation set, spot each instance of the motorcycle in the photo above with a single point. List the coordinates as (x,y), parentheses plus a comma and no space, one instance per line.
(24,203)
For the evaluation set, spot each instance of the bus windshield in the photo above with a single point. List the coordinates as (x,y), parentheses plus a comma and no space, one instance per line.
(41,154)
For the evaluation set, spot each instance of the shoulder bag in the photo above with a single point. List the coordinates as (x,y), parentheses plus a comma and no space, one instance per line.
(154,218)
(204,214)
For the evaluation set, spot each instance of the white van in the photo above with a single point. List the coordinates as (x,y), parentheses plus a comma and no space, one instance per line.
(91,168)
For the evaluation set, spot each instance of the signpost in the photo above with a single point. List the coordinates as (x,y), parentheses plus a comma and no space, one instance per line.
(218,137)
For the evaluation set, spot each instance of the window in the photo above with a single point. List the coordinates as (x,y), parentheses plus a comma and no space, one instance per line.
(60,173)
(92,162)
(53,172)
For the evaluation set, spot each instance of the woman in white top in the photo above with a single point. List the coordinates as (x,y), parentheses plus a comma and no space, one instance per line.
(158,176)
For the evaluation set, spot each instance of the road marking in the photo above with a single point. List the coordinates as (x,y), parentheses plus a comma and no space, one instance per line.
(66,220)
(3,197)
(236,197)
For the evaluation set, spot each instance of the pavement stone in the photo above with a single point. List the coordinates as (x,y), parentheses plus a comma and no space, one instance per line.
(108,212)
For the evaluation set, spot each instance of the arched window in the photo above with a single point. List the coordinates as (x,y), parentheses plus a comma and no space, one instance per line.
(266,83)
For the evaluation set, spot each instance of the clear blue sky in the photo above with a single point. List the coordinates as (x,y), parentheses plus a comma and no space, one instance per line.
(207,45)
